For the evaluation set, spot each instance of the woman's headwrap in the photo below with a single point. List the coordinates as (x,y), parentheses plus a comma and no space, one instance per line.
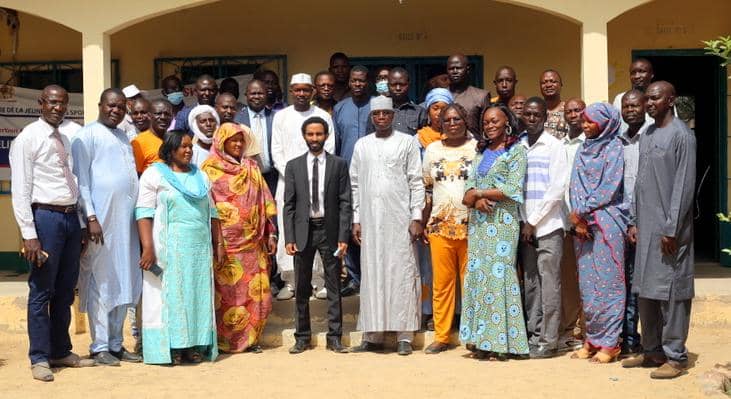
(437,95)
(194,113)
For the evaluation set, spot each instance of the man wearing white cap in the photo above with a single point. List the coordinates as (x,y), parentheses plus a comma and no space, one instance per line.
(388,196)
(127,125)
(287,144)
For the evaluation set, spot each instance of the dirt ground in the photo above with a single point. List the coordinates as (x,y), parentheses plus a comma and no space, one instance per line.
(322,374)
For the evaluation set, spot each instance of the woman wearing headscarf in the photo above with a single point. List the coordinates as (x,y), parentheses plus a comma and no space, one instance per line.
(246,208)
(181,238)
(492,318)
(203,121)
(599,220)
(446,166)
(436,101)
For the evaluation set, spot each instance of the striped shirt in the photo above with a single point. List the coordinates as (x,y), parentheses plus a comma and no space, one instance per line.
(545,184)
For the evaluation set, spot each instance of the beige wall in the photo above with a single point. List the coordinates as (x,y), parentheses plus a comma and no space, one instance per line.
(308,38)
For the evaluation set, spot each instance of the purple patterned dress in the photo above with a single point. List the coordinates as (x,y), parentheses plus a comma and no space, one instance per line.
(596,194)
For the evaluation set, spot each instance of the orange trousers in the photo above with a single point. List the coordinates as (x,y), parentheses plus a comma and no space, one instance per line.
(449,261)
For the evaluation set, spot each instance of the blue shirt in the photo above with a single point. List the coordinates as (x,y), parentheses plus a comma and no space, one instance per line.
(351,121)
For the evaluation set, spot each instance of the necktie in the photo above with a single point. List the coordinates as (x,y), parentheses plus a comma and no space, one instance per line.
(258,127)
(64,158)
(315,187)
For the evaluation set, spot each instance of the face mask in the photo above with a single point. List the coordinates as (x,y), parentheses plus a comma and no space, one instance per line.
(175,97)
(382,86)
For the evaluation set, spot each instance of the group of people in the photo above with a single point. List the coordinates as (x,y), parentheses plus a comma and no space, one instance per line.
(533,225)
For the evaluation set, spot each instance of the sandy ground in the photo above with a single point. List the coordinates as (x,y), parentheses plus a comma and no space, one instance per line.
(322,374)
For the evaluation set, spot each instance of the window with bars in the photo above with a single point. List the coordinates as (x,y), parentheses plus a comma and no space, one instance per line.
(39,74)
(189,68)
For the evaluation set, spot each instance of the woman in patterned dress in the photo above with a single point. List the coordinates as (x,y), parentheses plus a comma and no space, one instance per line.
(245,207)
(492,323)
(600,220)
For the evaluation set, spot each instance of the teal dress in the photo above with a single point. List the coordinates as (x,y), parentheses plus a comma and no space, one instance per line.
(492,314)
(178,305)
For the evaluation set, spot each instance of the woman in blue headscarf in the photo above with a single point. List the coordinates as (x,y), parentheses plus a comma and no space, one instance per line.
(599,219)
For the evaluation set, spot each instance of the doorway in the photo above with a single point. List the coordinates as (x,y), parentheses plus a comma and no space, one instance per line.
(700,84)
(420,69)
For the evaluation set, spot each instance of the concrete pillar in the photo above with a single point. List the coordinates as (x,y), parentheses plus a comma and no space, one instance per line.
(97,70)
(594,60)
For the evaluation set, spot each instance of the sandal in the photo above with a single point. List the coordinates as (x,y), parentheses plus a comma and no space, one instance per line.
(606,357)
(193,356)
(177,357)
(586,352)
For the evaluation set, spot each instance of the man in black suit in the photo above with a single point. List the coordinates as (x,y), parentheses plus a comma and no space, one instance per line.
(317,217)
(256,116)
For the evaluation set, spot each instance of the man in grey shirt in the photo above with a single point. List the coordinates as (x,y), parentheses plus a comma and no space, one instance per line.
(635,124)
(662,226)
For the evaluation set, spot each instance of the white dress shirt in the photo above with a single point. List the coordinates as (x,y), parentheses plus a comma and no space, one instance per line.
(545,184)
(320,212)
(36,171)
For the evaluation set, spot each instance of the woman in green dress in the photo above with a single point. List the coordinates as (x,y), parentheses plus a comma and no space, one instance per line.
(181,237)
(492,324)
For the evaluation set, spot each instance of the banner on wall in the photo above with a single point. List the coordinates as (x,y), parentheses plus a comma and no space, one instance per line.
(19,107)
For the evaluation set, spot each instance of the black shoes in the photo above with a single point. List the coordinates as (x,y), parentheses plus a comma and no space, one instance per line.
(542,353)
(299,347)
(404,348)
(349,289)
(256,348)
(105,358)
(336,346)
(126,356)
(366,346)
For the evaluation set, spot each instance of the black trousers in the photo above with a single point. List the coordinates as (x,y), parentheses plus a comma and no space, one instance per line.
(303,263)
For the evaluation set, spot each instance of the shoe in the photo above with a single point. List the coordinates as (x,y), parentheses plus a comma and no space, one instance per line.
(104,358)
(299,347)
(350,289)
(667,371)
(404,348)
(631,350)
(606,357)
(42,371)
(287,292)
(72,360)
(322,294)
(336,346)
(641,360)
(256,348)
(366,346)
(543,353)
(436,347)
(569,345)
(587,351)
(125,356)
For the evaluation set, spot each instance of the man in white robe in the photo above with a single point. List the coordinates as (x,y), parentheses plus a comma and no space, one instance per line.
(388,196)
(110,279)
(287,144)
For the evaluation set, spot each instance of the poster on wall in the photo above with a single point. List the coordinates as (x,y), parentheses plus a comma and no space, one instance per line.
(19,107)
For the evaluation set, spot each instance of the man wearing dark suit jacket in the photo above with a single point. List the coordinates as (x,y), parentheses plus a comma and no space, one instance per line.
(256,116)
(317,217)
